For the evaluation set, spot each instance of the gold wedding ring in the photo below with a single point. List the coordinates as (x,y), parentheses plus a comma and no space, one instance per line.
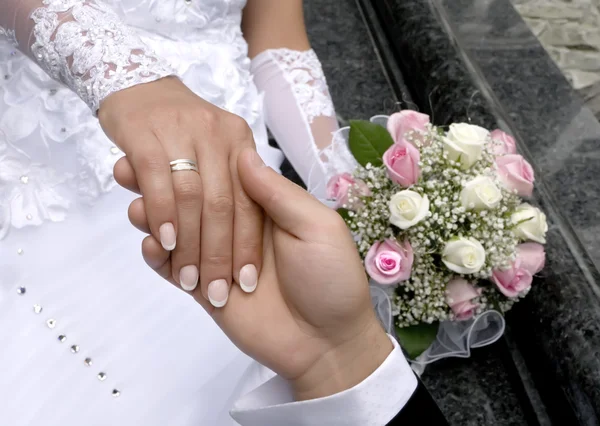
(183,165)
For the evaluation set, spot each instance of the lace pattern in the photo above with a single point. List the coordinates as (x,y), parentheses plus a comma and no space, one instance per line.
(304,73)
(10,35)
(48,136)
(84,44)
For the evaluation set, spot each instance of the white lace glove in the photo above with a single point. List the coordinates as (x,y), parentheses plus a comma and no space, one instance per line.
(300,114)
(81,43)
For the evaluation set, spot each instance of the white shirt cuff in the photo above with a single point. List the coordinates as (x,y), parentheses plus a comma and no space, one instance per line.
(373,402)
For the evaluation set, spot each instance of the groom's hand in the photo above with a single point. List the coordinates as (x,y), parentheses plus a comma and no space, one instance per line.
(314,264)
(310,319)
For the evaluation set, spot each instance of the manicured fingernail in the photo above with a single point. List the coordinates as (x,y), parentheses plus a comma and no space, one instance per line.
(188,277)
(218,293)
(256,160)
(248,278)
(167,236)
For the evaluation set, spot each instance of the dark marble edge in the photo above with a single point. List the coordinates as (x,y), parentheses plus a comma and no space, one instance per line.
(557,328)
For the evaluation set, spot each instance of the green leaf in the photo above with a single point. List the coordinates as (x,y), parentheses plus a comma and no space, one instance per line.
(368,142)
(417,338)
(343,213)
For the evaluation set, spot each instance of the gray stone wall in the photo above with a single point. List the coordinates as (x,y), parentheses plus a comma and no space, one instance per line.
(570,32)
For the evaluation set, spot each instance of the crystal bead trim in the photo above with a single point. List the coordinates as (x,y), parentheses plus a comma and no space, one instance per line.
(51,323)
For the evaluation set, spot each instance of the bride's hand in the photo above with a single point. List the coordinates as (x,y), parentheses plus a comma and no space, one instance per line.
(310,319)
(190,213)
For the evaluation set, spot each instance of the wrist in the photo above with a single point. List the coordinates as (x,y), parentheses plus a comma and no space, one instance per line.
(118,105)
(346,365)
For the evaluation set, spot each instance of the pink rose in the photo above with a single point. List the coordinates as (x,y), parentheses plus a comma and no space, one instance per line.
(504,143)
(400,123)
(532,256)
(513,280)
(459,296)
(402,162)
(516,174)
(389,262)
(340,186)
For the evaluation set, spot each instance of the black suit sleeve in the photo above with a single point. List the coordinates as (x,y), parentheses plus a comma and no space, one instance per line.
(420,410)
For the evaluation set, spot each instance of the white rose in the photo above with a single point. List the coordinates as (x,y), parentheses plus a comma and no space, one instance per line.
(465,142)
(480,193)
(408,208)
(530,223)
(464,255)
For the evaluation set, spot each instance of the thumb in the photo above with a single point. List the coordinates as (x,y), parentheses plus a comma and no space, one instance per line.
(289,206)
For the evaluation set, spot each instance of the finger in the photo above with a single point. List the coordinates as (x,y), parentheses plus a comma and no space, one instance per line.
(137,215)
(159,260)
(125,175)
(217,230)
(186,257)
(247,234)
(291,207)
(187,188)
(153,174)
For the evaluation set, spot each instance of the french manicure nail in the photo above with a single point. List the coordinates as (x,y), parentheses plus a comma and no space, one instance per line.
(218,293)
(248,278)
(188,277)
(168,238)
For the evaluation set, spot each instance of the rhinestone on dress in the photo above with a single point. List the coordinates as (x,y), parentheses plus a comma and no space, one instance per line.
(88,362)
(75,349)
(29,217)
(24,179)
(188,2)
(62,338)
(20,251)
(37,309)
(51,323)
(21,291)
(116,393)
(101,376)
(114,150)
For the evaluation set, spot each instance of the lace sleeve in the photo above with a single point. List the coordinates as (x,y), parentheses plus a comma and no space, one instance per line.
(300,114)
(81,43)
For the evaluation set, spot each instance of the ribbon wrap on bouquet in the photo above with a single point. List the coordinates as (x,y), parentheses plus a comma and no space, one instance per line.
(454,338)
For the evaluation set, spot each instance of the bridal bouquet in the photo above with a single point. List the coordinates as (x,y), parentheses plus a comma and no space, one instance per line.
(439,220)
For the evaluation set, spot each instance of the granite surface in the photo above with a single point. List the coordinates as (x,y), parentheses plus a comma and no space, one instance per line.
(355,76)
(570,31)
(476,60)
(478,391)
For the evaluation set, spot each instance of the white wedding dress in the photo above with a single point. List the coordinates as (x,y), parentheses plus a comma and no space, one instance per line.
(89,334)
